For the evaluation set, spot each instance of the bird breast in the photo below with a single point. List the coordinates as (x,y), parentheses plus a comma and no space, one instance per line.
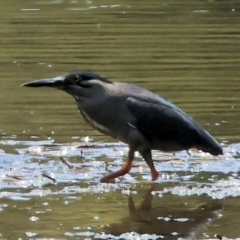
(110,117)
(96,125)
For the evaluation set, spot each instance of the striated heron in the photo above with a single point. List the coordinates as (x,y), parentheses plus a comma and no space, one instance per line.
(134,115)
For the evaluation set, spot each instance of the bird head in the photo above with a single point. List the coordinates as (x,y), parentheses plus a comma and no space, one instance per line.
(77,84)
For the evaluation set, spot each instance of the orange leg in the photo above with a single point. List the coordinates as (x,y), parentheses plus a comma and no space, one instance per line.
(154,173)
(67,163)
(124,170)
(146,154)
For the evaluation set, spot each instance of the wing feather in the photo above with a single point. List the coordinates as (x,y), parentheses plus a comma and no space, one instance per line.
(165,122)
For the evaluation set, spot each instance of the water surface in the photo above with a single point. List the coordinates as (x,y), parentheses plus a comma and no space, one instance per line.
(186,51)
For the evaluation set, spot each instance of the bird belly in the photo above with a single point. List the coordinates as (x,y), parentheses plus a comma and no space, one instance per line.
(96,125)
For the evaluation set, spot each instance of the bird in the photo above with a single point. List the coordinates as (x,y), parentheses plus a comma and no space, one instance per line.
(143,120)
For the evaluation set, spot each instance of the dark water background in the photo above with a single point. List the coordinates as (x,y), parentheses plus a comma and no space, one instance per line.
(187,51)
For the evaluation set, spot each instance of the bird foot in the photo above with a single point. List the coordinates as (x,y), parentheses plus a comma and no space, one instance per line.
(67,163)
(70,166)
(155,174)
(106,180)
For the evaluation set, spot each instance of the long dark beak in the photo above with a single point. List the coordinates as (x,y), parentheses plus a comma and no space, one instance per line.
(57,82)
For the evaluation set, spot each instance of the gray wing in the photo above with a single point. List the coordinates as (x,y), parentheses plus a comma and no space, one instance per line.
(166,122)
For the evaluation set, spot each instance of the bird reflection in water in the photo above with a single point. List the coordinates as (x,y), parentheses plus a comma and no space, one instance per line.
(169,219)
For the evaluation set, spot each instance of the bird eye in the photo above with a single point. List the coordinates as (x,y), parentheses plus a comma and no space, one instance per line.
(77,79)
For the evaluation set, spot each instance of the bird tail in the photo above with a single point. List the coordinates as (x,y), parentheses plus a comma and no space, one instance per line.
(209,144)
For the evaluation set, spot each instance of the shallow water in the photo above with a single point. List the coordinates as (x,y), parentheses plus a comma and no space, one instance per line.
(186,51)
